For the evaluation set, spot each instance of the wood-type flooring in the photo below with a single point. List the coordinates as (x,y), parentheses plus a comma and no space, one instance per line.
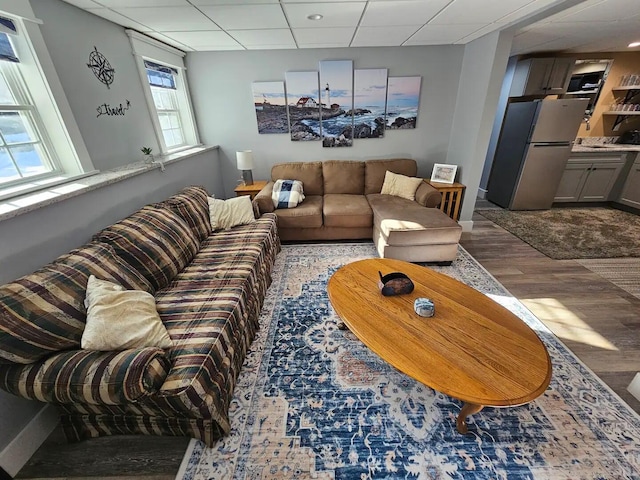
(598,321)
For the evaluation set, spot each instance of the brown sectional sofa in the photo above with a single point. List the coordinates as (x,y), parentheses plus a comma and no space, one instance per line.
(343,201)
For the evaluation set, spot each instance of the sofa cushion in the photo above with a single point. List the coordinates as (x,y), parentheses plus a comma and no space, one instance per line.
(341,210)
(155,241)
(375,171)
(191,204)
(309,173)
(306,215)
(403,222)
(44,312)
(89,378)
(121,319)
(343,176)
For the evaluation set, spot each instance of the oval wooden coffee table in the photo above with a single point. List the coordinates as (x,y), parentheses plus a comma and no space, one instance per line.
(472,349)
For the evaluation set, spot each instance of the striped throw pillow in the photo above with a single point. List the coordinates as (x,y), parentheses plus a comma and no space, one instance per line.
(155,241)
(192,206)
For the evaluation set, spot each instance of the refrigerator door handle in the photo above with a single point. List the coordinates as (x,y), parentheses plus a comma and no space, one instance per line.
(550,144)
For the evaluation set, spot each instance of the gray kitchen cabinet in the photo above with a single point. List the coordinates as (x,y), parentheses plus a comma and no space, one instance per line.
(589,179)
(631,191)
(542,76)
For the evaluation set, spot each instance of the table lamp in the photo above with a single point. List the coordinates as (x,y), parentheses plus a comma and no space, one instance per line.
(245,163)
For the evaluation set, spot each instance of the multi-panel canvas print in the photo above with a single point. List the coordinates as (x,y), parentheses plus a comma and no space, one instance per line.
(271,107)
(369,102)
(303,102)
(336,88)
(403,98)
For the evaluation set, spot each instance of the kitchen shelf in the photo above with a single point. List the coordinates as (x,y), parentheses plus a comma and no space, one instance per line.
(622,113)
(626,87)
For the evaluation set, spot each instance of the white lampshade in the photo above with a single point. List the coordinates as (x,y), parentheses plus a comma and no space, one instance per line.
(245,160)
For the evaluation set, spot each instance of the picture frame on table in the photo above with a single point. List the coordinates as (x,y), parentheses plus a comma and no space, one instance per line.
(443,173)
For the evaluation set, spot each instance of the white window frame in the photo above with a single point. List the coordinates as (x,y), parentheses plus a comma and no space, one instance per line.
(58,129)
(147,48)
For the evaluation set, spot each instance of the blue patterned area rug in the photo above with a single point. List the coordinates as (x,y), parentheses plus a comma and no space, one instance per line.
(313,402)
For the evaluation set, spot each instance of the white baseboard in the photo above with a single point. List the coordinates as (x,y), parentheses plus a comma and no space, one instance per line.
(482,193)
(634,386)
(467,225)
(15,455)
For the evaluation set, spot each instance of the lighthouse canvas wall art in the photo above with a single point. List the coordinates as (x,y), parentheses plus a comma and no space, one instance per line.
(369,102)
(303,103)
(271,107)
(336,97)
(403,99)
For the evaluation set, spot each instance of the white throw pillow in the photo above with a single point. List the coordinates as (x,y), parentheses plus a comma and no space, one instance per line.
(120,319)
(400,185)
(225,214)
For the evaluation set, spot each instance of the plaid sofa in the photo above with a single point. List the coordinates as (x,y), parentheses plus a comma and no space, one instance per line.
(209,288)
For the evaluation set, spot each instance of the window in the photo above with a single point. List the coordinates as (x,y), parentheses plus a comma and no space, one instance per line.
(40,143)
(162,81)
(163,76)
(23,153)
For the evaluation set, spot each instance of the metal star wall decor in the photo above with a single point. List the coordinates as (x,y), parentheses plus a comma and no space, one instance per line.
(101,67)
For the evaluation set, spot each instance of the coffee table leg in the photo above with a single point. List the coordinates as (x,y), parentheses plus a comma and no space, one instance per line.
(467,409)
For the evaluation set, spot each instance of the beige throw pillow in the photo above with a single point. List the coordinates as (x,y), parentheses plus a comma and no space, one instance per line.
(400,185)
(225,214)
(119,319)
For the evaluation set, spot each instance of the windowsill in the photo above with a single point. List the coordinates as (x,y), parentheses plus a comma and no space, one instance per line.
(13,207)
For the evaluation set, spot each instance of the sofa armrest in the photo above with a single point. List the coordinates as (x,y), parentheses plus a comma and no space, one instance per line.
(428,196)
(89,377)
(263,199)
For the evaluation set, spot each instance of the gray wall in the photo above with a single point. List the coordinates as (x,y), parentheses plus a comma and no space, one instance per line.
(71,34)
(30,240)
(485,62)
(220,85)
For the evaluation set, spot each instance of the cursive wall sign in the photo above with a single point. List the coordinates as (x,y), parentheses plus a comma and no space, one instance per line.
(106,109)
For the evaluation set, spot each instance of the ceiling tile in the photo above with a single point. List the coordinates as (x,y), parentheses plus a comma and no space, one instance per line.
(604,11)
(246,17)
(383,36)
(467,12)
(170,41)
(256,38)
(346,15)
(403,12)
(85,4)
(271,47)
(168,19)
(143,3)
(200,39)
(442,34)
(231,2)
(317,36)
(119,19)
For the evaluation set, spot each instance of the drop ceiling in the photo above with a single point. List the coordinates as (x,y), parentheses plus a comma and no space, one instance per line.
(540,25)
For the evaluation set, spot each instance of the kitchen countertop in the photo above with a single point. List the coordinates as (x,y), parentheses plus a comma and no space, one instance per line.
(605,147)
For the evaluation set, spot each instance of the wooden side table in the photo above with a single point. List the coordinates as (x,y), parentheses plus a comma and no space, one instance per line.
(251,190)
(451,197)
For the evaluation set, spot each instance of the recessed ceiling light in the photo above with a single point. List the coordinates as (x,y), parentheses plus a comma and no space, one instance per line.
(634,44)
(314,16)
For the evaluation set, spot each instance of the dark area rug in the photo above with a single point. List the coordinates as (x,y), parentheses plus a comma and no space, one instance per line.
(570,233)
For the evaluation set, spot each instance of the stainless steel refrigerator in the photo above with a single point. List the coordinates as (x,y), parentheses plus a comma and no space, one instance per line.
(532,152)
